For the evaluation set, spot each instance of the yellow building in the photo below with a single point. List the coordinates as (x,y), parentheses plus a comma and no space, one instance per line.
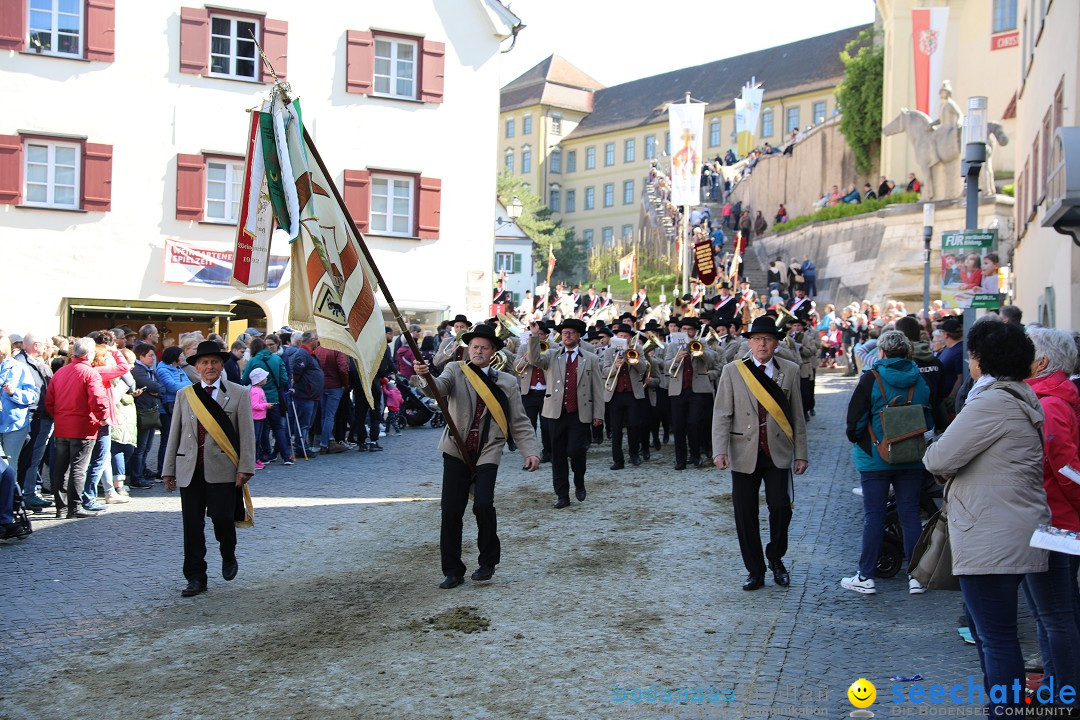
(980,57)
(587,148)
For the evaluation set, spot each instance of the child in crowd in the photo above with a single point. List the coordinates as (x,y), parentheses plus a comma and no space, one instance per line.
(393,407)
(259,407)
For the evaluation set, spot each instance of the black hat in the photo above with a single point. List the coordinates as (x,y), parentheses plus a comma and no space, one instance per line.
(952,325)
(724,322)
(687,297)
(745,280)
(763,325)
(627,315)
(590,336)
(461,319)
(549,324)
(483,331)
(690,321)
(653,325)
(725,286)
(605,331)
(572,324)
(207,348)
(623,328)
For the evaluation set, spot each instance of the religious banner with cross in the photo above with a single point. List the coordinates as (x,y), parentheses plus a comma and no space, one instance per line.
(686,122)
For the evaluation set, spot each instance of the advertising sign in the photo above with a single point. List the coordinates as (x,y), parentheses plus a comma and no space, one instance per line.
(970,269)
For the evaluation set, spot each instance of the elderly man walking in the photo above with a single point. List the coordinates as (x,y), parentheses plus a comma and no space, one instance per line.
(77,402)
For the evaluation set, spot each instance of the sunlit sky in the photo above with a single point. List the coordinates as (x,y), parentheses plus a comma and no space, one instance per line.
(619,40)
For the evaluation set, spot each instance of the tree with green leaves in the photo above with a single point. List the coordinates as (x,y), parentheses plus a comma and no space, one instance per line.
(536,222)
(859,97)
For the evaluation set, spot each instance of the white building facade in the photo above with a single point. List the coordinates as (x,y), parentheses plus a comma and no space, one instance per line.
(514,259)
(122,140)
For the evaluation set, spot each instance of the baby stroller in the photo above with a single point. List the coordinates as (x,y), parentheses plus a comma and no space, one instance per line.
(418,408)
(21,527)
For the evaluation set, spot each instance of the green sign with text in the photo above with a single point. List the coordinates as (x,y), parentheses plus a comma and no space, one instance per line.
(970,269)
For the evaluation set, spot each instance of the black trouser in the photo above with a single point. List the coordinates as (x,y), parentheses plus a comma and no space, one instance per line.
(744,497)
(806,389)
(688,414)
(534,403)
(455,497)
(661,414)
(197,500)
(67,470)
(569,440)
(626,411)
(366,419)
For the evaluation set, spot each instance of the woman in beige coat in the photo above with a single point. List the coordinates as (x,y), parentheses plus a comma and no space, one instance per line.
(992,457)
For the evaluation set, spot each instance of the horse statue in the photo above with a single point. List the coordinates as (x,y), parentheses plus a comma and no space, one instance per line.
(938,145)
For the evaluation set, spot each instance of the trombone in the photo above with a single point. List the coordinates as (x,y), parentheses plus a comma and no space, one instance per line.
(520,365)
(613,374)
(695,349)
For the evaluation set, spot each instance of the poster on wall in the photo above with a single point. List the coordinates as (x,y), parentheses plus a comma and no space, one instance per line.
(970,269)
(210,265)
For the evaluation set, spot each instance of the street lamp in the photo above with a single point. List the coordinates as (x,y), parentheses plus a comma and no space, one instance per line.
(928,234)
(513,209)
(973,137)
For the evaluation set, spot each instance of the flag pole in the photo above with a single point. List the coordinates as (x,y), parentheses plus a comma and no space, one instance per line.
(438,396)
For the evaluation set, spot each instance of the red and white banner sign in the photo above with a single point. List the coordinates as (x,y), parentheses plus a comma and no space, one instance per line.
(626,267)
(928,27)
(1005,40)
(210,264)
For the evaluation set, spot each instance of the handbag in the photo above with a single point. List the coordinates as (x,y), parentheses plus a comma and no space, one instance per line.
(149,418)
(931,561)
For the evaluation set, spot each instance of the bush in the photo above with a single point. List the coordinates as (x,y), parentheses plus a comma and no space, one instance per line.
(1009,190)
(844,210)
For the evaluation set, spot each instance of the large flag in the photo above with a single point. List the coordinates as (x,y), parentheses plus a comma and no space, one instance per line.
(686,122)
(251,255)
(626,267)
(551,263)
(928,27)
(332,286)
(747,110)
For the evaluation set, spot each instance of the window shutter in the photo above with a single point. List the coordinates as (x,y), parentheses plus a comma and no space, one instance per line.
(276,46)
(358,197)
(101,30)
(427,226)
(432,69)
(13,24)
(194,40)
(517,263)
(359,62)
(11,167)
(97,177)
(190,187)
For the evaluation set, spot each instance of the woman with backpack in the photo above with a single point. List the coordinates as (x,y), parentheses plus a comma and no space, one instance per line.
(894,384)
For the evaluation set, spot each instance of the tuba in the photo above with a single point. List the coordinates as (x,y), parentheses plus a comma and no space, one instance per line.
(503,362)
(508,327)
(783,316)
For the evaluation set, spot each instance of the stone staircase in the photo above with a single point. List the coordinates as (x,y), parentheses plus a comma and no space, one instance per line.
(755,272)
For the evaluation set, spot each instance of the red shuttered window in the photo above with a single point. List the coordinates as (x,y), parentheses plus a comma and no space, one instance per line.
(396,66)
(219,44)
(101,30)
(55,173)
(190,187)
(73,30)
(394,204)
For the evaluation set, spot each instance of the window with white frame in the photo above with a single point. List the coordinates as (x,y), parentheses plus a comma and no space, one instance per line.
(819,112)
(590,198)
(553,199)
(587,238)
(607,235)
(590,158)
(56,26)
(609,194)
(766,123)
(52,174)
(627,192)
(650,147)
(792,119)
(526,159)
(609,154)
(504,262)
(392,204)
(1004,15)
(526,124)
(508,160)
(395,67)
(571,201)
(629,150)
(509,127)
(556,123)
(232,47)
(555,161)
(224,186)
(571,161)
(627,232)
(714,132)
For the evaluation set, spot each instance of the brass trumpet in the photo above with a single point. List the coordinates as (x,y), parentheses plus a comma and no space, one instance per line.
(523,363)
(694,349)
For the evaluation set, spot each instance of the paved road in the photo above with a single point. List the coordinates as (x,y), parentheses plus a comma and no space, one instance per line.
(636,598)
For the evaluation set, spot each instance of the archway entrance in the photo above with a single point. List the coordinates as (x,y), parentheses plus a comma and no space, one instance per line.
(246,314)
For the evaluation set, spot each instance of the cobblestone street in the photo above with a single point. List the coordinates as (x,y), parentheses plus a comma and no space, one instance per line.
(332,612)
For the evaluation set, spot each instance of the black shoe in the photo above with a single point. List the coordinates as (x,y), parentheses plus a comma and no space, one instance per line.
(696,462)
(665,438)
(140,484)
(780,574)
(656,443)
(812,413)
(229,568)
(579,494)
(451,581)
(361,447)
(645,454)
(635,460)
(484,572)
(680,466)
(617,466)
(193,588)
(806,416)
(374,447)
(545,457)
(753,582)
(563,502)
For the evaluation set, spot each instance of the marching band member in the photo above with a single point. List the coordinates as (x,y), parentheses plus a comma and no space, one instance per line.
(574,400)
(601,350)
(690,388)
(485,404)
(533,388)
(658,390)
(450,348)
(808,346)
(502,296)
(758,431)
(624,396)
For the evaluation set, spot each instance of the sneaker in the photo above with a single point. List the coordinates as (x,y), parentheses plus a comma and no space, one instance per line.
(859,584)
(362,447)
(348,445)
(116,498)
(259,465)
(290,461)
(35,502)
(857,490)
(96,506)
(915,587)
(374,447)
(140,484)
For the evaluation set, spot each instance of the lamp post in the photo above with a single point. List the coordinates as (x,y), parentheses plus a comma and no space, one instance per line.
(974,140)
(514,209)
(928,234)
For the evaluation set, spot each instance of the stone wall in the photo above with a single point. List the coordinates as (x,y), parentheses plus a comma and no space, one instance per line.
(879,255)
(822,159)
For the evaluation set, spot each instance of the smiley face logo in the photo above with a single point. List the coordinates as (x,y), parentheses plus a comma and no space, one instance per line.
(862,693)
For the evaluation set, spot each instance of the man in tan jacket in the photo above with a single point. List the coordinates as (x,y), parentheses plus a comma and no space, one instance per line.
(759,432)
(624,395)
(574,400)
(485,405)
